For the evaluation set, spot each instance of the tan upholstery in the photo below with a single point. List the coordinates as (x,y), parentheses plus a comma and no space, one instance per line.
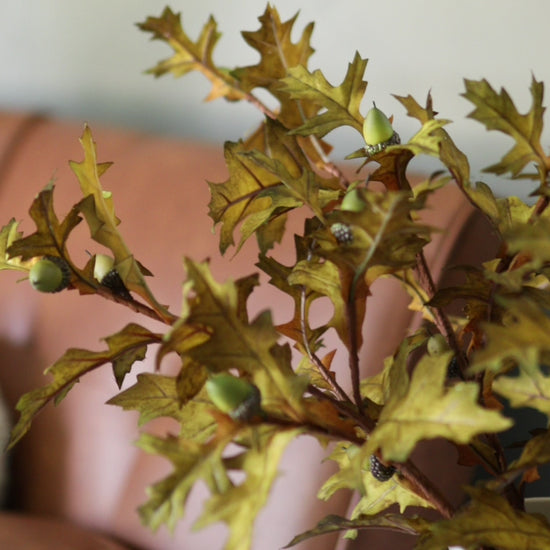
(78,462)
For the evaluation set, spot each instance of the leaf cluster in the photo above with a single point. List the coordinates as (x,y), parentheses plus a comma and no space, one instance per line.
(498,350)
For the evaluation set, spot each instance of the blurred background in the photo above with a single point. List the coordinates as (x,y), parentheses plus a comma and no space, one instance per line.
(86,61)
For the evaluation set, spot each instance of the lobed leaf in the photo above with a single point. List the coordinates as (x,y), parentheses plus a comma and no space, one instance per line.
(8,235)
(429,410)
(74,364)
(239,505)
(334,523)
(498,112)
(98,209)
(191,55)
(488,521)
(340,104)
(50,237)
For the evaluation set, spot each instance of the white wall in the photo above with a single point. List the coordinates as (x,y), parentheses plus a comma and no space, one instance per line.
(86,59)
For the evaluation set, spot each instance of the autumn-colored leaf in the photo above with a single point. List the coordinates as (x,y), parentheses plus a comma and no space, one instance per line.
(98,209)
(235,343)
(449,154)
(277,52)
(488,521)
(524,339)
(334,523)
(429,410)
(530,389)
(340,103)
(498,112)
(74,364)
(193,461)
(262,188)
(50,237)
(8,235)
(153,396)
(191,55)
(536,452)
(239,506)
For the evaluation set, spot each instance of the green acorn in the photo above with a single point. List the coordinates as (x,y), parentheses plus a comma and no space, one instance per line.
(378,131)
(108,276)
(236,397)
(437,344)
(353,201)
(50,274)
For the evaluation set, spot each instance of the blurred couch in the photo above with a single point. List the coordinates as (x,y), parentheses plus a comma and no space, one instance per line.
(76,479)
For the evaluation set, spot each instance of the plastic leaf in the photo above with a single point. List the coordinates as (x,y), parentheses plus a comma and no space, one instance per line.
(74,363)
(250,347)
(536,452)
(530,389)
(189,55)
(277,52)
(98,209)
(8,235)
(380,495)
(240,504)
(51,235)
(262,187)
(498,112)
(488,521)
(449,154)
(429,410)
(156,395)
(333,523)
(340,104)
(193,461)
(524,339)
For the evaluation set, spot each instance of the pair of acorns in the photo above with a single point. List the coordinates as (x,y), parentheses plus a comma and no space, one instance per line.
(52,274)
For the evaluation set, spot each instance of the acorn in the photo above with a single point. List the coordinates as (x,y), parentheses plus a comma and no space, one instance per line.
(353,201)
(50,274)
(378,131)
(108,276)
(234,396)
(437,344)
